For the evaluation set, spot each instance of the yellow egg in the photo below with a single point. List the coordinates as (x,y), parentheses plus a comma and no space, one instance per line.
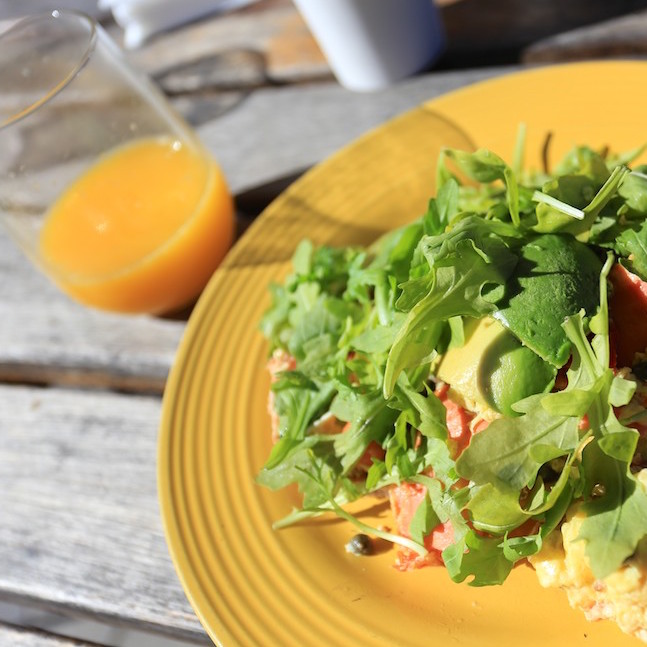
(620,597)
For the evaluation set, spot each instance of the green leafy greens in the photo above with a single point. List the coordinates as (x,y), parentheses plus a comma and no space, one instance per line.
(367,326)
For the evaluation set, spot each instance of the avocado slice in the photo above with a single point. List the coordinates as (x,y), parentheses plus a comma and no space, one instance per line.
(459,366)
(509,372)
(556,277)
(493,369)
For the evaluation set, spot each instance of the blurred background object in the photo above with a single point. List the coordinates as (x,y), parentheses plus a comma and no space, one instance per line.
(268,42)
(16,8)
(495,32)
(229,39)
(370,45)
(141,19)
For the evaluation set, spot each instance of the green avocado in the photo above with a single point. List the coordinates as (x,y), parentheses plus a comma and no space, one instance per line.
(556,277)
(459,366)
(493,369)
(509,372)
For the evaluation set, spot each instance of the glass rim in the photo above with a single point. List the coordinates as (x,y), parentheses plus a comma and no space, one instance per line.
(57,86)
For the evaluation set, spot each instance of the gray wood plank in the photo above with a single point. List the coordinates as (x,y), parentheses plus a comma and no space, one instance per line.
(273,133)
(80,523)
(17,637)
(57,625)
(46,337)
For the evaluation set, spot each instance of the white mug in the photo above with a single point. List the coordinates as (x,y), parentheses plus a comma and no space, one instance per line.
(370,44)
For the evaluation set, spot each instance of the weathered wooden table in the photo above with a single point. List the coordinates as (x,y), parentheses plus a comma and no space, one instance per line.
(82,551)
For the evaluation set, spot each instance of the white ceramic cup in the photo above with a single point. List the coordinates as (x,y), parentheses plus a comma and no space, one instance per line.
(371,44)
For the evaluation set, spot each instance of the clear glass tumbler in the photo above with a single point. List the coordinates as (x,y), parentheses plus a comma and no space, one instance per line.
(102,184)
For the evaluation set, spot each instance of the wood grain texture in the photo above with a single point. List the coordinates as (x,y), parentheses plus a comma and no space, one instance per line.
(80,527)
(275,133)
(47,338)
(288,52)
(17,637)
(620,37)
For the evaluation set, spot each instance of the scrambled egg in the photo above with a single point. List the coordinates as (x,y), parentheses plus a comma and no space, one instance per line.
(621,597)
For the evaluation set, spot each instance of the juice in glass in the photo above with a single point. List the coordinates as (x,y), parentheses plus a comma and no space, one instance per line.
(142,230)
(102,183)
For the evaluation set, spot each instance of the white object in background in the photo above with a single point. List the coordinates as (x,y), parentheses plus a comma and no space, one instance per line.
(370,44)
(12,9)
(141,19)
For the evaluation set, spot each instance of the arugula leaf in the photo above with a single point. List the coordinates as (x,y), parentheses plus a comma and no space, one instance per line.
(604,389)
(464,264)
(374,426)
(581,192)
(484,166)
(631,244)
(392,254)
(501,454)
(616,521)
(442,209)
(495,510)
(555,277)
(634,193)
(425,519)
(585,161)
(297,405)
(479,558)
(378,339)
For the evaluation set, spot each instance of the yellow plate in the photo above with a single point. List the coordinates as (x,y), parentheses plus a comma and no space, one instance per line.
(251,585)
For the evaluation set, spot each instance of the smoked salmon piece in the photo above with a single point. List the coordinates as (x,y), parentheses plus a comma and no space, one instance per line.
(628,314)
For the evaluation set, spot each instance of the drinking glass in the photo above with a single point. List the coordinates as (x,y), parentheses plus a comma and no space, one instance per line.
(102,184)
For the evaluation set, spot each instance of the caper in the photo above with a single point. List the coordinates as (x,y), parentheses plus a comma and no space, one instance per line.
(598,490)
(360,544)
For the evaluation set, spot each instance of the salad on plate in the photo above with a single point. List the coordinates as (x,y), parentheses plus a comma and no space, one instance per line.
(484,368)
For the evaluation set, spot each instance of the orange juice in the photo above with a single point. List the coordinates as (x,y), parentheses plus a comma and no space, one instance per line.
(142,230)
